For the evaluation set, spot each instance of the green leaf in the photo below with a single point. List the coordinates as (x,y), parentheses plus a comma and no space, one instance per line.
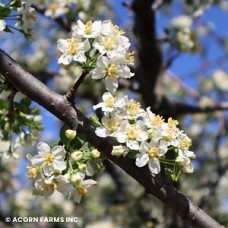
(63,138)
(78,141)
(4,12)
(25,101)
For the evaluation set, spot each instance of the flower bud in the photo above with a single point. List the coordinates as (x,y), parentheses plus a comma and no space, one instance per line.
(70,134)
(117,150)
(82,167)
(180,161)
(77,155)
(76,179)
(95,153)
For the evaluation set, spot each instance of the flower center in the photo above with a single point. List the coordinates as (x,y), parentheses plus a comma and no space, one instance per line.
(112,71)
(117,29)
(52,187)
(130,59)
(53,6)
(157,121)
(185,143)
(88,27)
(31,16)
(172,122)
(48,159)
(133,107)
(32,172)
(109,101)
(82,190)
(111,124)
(73,46)
(133,132)
(110,42)
(153,152)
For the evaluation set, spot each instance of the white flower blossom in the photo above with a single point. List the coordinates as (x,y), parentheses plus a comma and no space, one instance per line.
(150,154)
(28,17)
(111,42)
(72,49)
(47,186)
(81,189)
(110,126)
(110,70)
(131,134)
(49,159)
(110,103)
(56,8)
(88,30)
(2,25)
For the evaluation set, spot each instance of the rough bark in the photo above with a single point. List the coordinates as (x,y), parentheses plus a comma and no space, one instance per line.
(158,185)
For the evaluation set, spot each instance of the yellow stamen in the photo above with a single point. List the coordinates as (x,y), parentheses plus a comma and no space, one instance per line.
(112,71)
(186,143)
(133,132)
(31,16)
(172,122)
(52,186)
(32,172)
(88,27)
(109,101)
(158,120)
(73,47)
(133,107)
(110,42)
(53,6)
(153,152)
(111,124)
(117,29)
(48,159)
(82,190)
(130,59)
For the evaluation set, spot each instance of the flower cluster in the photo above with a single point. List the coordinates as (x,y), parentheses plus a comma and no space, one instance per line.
(25,16)
(101,48)
(145,135)
(57,8)
(62,168)
(179,33)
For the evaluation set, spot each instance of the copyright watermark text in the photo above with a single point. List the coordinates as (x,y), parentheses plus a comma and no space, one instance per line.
(41,219)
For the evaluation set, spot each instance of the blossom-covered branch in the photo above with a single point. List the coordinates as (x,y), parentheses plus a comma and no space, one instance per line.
(158,185)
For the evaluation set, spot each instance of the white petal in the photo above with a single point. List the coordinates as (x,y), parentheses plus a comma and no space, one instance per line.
(62,44)
(59,165)
(43,148)
(121,137)
(79,57)
(144,147)
(143,136)
(86,45)
(58,152)
(142,160)
(111,83)
(101,132)
(65,59)
(154,166)
(98,73)
(89,182)
(2,25)
(77,197)
(100,105)
(37,160)
(133,145)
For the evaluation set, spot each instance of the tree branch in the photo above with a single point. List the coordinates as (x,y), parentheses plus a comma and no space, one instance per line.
(157,185)
(71,94)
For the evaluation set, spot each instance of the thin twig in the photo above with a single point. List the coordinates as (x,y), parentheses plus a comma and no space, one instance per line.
(71,94)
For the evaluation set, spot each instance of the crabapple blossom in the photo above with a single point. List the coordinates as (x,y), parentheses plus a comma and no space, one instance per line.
(72,49)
